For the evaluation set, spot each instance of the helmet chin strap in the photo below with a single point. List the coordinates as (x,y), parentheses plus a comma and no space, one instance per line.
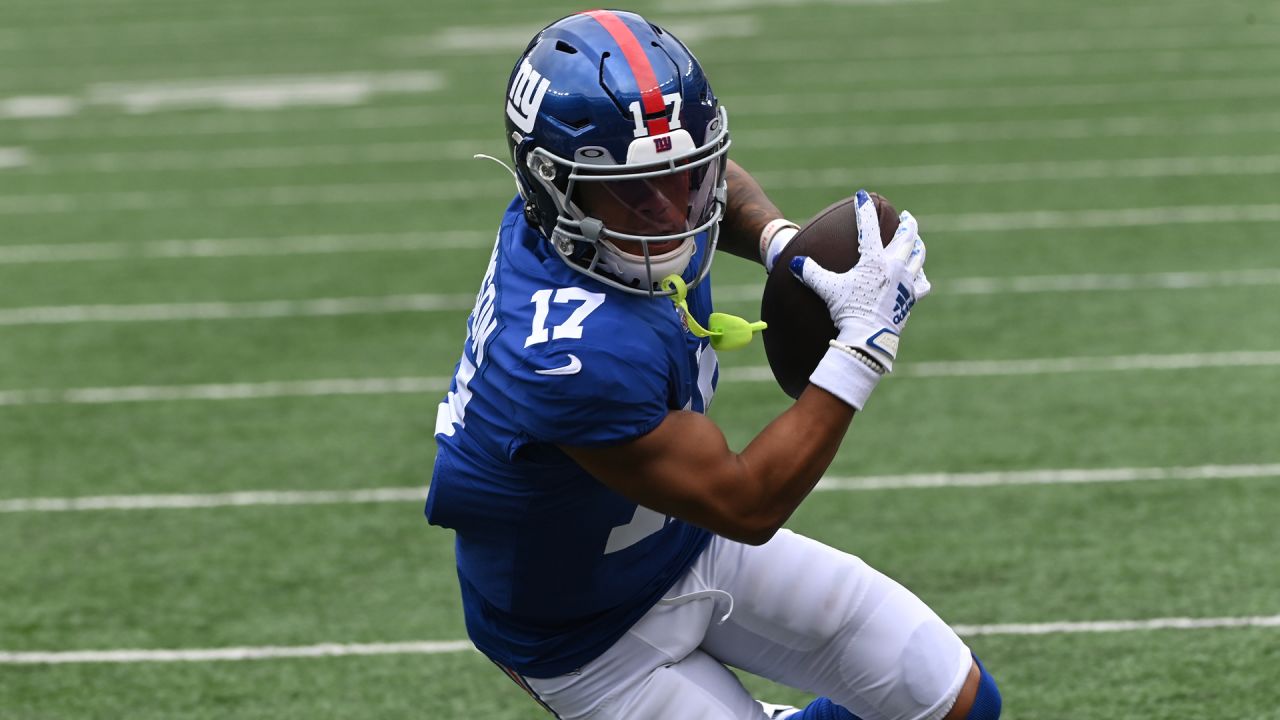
(727,332)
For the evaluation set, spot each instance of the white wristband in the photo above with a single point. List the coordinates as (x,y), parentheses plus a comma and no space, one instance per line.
(847,374)
(774,238)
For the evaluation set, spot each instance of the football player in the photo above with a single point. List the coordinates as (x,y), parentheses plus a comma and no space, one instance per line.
(615,557)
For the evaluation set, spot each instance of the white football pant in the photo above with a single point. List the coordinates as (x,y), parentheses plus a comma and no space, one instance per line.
(799,613)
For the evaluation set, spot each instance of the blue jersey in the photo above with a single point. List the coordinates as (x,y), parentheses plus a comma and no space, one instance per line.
(553,565)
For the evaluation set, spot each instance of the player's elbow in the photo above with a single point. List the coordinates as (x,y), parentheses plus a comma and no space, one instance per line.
(746,513)
(756,535)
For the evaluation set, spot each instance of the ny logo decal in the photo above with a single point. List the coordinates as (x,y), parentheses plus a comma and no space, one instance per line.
(525,96)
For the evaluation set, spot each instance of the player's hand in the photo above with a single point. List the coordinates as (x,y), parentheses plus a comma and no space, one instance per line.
(871,302)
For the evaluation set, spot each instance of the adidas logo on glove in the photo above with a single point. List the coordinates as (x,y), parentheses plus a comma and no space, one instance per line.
(903,305)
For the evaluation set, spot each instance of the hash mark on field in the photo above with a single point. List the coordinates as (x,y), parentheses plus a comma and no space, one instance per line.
(420,385)
(251,498)
(436,647)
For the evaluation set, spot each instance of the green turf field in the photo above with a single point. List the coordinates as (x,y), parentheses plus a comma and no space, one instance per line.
(238,242)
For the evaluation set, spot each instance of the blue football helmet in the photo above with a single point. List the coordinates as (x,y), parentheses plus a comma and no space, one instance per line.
(619,148)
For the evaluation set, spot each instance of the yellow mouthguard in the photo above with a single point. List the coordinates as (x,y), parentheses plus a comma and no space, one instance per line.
(727,332)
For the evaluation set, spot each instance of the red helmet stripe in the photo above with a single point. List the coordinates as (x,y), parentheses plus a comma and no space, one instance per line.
(650,92)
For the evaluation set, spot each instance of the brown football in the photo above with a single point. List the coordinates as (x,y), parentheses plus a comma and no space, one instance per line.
(799,324)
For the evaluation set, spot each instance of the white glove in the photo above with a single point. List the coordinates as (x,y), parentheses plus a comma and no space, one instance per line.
(869,304)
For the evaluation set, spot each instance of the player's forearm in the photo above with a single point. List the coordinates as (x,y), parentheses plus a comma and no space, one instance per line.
(746,214)
(784,462)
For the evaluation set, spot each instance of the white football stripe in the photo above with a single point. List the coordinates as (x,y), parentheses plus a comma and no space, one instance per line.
(243,247)
(248,498)
(322,307)
(436,647)
(418,385)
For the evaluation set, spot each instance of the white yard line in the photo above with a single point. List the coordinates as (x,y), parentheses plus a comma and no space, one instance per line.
(227,391)
(438,302)
(253,498)
(417,116)
(250,158)
(1146,37)
(14,157)
(437,647)
(262,92)
(268,652)
(1064,170)
(247,498)
(321,307)
(1110,626)
(451,191)
(1015,96)
(252,92)
(990,131)
(463,151)
(1047,477)
(38,106)
(434,385)
(510,39)
(1048,366)
(242,247)
(286,121)
(1117,218)
(677,6)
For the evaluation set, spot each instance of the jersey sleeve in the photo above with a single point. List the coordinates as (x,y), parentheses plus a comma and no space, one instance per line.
(578,394)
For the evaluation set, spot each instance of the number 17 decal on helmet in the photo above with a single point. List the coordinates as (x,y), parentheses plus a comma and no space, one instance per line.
(620,149)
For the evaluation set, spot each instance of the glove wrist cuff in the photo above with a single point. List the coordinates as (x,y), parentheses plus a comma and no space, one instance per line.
(774,238)
(847,373)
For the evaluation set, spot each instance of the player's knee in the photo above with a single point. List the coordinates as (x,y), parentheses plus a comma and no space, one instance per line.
(986,702)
